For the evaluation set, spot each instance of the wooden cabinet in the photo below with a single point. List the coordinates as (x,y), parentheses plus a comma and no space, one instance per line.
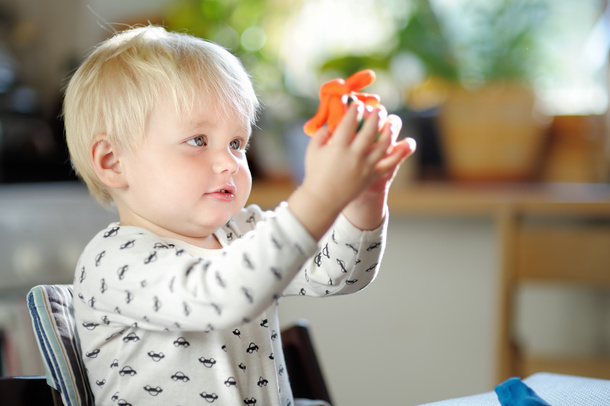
(557,242)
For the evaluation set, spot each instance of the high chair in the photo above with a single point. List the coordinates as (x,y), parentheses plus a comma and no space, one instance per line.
(52,312)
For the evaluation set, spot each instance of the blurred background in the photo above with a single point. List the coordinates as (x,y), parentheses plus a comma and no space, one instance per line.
(434,59)
(507,99)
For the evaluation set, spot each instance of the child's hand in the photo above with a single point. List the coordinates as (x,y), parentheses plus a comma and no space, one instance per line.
(390,127)
(341,168)
(367,210)
(338,169)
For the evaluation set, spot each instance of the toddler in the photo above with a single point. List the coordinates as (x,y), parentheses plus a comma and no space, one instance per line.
(177,302)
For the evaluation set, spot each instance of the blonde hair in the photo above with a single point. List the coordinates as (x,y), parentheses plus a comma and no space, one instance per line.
(117,86)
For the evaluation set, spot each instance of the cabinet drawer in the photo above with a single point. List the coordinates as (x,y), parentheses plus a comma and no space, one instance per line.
(569,253)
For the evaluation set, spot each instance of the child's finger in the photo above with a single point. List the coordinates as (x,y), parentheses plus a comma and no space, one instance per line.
(389,132)
(382,145)
(395,125)
(383,116)
(381,111)
(399,152)
(348,125)
(321,137)
(369,132)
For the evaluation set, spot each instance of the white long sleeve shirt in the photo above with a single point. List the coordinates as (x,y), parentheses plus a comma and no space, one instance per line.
(162,322)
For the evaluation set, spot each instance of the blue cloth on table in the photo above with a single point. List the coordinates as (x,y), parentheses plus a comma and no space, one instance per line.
(555,389)
(513,392)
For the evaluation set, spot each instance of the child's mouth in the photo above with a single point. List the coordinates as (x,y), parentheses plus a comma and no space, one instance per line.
(223,194)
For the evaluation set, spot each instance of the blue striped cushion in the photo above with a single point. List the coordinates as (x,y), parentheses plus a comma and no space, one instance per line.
(52,314)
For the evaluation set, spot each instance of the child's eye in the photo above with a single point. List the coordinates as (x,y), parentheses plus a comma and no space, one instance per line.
(199,141)
(236,144)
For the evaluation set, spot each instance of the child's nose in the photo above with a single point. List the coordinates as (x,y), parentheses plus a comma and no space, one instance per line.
(225,161)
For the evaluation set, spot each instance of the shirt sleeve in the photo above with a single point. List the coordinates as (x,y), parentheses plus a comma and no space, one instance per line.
(128,275)
(347,261)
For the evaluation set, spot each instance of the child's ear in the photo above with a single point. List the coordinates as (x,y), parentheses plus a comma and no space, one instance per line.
(106,163)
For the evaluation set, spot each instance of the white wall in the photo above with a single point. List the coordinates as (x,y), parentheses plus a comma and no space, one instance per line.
(424,330)
(43,230)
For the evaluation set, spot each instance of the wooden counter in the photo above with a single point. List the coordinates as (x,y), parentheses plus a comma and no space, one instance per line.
(485,199)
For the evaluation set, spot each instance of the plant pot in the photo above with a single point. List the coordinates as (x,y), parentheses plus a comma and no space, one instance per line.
(493,134)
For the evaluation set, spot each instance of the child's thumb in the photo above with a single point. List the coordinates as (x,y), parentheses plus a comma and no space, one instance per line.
(321,136)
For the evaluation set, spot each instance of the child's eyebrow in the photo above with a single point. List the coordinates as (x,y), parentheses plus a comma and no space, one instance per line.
(205,124)
(196,124)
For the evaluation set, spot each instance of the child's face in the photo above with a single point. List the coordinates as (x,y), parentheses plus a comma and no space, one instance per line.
(189,175)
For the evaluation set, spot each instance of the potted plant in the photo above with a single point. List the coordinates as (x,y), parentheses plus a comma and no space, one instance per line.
(489,126)
(479,78)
